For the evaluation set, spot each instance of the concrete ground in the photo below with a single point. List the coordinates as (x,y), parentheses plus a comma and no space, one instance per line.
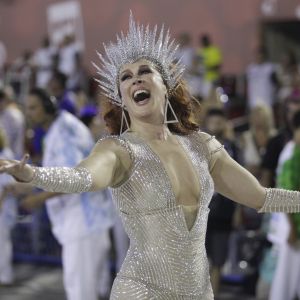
(36,282)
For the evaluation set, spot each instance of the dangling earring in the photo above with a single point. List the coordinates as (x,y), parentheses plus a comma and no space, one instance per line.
(124,120)
(174,118)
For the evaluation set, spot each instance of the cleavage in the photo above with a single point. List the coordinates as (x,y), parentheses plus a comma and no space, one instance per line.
(180,170)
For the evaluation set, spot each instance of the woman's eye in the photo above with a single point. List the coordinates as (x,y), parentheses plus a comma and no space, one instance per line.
(124,77)
(145,71)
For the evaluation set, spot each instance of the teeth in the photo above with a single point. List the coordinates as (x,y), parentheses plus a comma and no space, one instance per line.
(139,92)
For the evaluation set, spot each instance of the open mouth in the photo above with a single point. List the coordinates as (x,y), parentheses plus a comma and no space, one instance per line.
(141,96)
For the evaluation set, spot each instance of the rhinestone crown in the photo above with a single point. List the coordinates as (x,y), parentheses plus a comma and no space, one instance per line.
(139,43)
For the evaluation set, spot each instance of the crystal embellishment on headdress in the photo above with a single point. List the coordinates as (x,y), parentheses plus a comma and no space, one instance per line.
(139,43)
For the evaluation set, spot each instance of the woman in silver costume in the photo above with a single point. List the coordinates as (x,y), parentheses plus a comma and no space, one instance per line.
(162,171)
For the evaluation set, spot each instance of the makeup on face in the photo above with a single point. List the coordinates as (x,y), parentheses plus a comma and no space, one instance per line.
(139,80)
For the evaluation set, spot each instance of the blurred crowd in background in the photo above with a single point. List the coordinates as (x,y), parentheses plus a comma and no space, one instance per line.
(256,115)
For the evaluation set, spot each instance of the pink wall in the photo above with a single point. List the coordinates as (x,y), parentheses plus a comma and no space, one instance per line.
(233,24)
(286,8)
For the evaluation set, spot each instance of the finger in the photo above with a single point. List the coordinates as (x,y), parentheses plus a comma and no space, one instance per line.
(8,166)
(3,169)
(24,160)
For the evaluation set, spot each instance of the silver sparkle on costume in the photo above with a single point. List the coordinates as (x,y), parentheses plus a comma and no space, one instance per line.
(166,259)
(279,200)
(62,179)
(215,146)
(139,43)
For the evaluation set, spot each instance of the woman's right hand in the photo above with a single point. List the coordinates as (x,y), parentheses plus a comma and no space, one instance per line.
(20,170)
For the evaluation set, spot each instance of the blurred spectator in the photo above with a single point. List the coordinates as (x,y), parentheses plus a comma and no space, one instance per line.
(185,52)
(8,214)
(295,88)
(57,88)
(12,122)
(80,222)
(91,117)
(285,285)
(276,224)
(3,57)
(260,76)
(79,78)
(68,54)
(220,219)
(276,144)
(254,141)
(21,76)
(193,72)
(67,100)
(194,79)
(211,58)
(253,144)
(81,100)
(286,72)
(43,61)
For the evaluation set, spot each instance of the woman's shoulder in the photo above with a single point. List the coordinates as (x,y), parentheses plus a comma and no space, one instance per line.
(204,136)
(117,144)
(111,139)
(209,140)
(213,147)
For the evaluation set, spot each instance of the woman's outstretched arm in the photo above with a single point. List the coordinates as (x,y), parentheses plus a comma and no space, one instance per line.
(107,165)
(236,183)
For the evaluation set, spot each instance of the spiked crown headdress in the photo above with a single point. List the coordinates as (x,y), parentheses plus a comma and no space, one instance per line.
(139,43)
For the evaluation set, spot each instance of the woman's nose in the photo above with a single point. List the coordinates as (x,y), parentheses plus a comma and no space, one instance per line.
(137,81)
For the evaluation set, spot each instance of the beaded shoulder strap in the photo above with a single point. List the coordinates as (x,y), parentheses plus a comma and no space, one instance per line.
(214,145)
(122,141)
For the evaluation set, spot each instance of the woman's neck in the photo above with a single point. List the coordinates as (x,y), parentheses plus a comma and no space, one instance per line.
(150,131)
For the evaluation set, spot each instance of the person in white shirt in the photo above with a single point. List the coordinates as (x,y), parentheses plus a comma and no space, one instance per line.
(67,56)
(285,283)
(80,222)
(43,61)
(260,81)
(8,212)
(12,121)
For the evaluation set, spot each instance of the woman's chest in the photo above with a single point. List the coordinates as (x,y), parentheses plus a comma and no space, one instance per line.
(181,172)
(164,176)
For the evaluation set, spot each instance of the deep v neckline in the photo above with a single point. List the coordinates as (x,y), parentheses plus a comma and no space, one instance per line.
(168,179)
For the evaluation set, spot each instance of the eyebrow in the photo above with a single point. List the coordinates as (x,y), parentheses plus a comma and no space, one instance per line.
(141,66)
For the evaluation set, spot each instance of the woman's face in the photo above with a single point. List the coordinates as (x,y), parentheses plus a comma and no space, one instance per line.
(143,91)
(257,118)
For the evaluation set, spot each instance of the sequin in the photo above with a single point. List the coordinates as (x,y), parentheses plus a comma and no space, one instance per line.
(165,260)
(279,200)
(62,179)
(139,43)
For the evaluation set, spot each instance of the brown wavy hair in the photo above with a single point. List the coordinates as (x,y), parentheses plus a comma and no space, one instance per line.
(186,108)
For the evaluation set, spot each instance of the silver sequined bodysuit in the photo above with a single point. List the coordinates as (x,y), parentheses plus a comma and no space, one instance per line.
(166,259)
